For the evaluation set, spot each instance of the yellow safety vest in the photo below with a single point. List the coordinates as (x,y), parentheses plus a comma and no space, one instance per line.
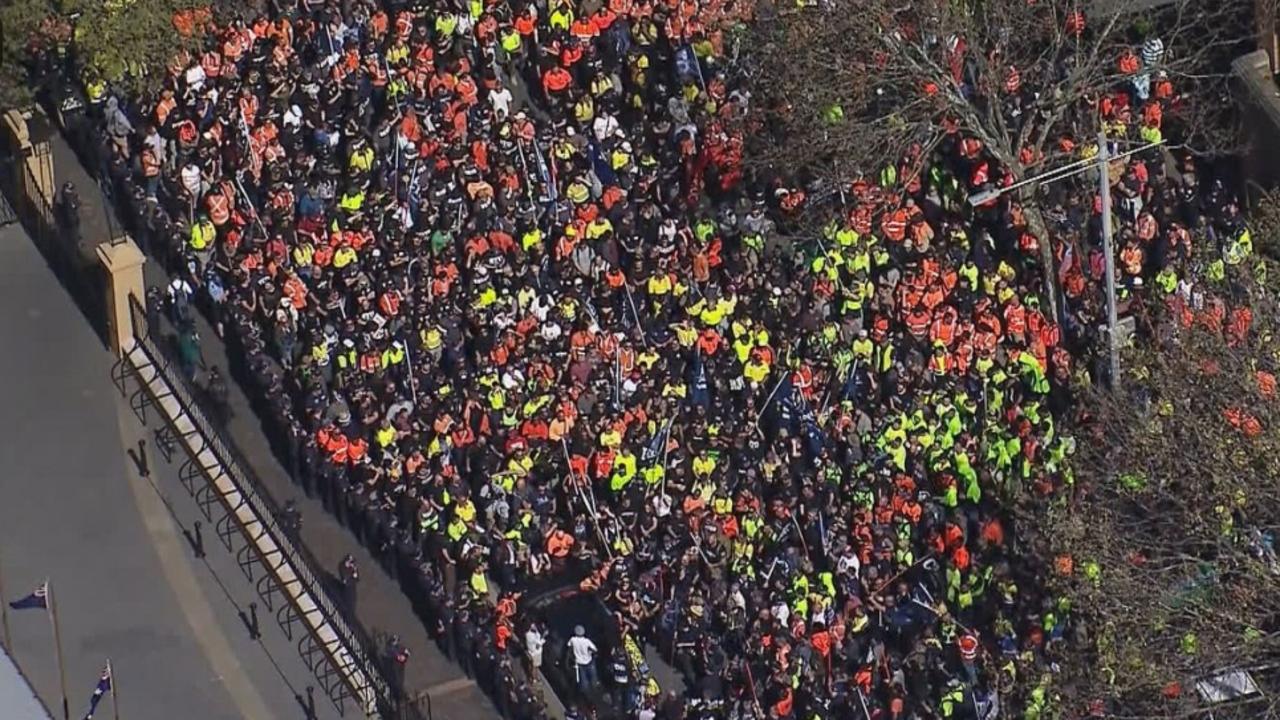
(202,234)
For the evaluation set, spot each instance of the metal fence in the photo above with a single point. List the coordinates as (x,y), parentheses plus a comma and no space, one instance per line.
(74,266)
(355,640)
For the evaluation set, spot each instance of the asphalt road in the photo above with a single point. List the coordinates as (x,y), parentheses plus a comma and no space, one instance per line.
(74,509)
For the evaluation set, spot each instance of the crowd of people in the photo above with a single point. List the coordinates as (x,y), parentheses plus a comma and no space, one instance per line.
(499,270)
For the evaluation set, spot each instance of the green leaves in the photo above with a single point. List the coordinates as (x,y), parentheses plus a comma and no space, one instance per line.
(128,42)
(19,24)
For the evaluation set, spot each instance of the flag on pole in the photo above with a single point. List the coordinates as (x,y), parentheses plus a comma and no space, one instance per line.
(104,687)
(654,449)
(39,598)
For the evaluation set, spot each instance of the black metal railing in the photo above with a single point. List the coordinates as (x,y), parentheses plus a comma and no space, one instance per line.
(76,267)
(355,640)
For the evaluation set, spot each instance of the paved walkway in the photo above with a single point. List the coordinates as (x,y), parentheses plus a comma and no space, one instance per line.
(74,509)
(383,608)
(17,700)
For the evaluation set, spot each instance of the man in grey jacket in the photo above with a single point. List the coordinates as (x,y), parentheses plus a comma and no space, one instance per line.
(118,126)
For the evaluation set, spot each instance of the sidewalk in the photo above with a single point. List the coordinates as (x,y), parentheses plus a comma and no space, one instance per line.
(383,608)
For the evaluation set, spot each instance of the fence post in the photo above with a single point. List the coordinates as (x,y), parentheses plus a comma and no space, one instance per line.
(122,261)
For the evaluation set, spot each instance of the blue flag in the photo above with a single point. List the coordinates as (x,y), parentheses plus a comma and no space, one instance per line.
(787,407)
(39,598)
(104,687)
(797,409)
(601,166)
(700,390)
(654,449)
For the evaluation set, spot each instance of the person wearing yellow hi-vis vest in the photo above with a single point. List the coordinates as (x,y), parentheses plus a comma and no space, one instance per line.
(202,234)
(624,471)
(756,370)
(393,355)
(653,475)
(479,584)
(511,41)
(1033,373)
(1038,701)
(1239,248)
(397,54)
(884,357)
(456,529)
(952,700)
(561,17)
(361,156)
(344,256)
(352,200)
(386,435)
(446,25)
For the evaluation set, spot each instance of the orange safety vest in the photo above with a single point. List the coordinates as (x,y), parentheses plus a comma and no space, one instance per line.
(163,108)
(559,543)
(1015,320)
(219,209)
(248,109)
(389,303)
(944,327)
(556,79)
(338,448)
(187,132)
(378,24)
(918,322)
(603,462)
(150,163)
(357,450)
(1128,63)
(212,64)
(894,225)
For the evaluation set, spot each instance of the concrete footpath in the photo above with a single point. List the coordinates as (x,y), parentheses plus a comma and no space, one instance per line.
(74,509)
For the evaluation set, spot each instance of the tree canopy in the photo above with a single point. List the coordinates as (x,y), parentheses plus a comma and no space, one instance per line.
(851,83)
(128,42)
(847,88)
(1166,546)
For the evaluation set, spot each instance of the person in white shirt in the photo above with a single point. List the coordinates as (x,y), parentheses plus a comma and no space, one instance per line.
(500,98)
(584,659)
(534,640)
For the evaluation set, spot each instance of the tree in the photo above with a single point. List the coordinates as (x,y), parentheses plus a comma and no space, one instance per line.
(1166,547)
(130,42)
(21,25)
(126,42)
(849,85)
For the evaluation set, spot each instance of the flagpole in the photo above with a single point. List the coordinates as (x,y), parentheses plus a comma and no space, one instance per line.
(4,612)
(57,650)
(115,705)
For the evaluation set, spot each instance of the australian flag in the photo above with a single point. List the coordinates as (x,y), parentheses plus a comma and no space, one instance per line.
(39,598)
(104,687)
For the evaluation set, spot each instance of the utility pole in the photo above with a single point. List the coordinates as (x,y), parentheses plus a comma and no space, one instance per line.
(1108,253)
